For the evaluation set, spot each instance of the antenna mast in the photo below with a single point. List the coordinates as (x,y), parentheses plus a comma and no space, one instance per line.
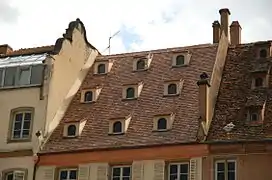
(110,40)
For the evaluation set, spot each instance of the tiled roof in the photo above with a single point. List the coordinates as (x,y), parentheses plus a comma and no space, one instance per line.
(150,102)
(35,50)
(236,95)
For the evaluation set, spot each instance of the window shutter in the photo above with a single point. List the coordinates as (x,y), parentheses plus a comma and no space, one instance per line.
(102,172)
(48,173)
(159,170)
(83,172)
(19,175)
(137,170)
(196,169)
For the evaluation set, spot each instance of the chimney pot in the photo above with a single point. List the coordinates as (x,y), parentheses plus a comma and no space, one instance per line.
(216,31)
(224,13)
(235,33)
(5,49)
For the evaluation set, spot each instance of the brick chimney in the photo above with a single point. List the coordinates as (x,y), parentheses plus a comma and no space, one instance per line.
(203,85)
(224,13)
(216,31)
(235,33)
(5,49)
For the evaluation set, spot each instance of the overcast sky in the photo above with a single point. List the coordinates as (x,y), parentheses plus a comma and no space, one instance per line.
(143,24)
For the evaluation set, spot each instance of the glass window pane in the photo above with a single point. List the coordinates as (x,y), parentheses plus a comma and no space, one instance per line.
(63,175)
(184,168)
(17,134)
(9,176)
(130,92)
(221,166)
(116,172)
(116,178)
(183,177)
(231,175)
(173,169)
(221,176)
(1,76)
(172,89)
(101,68)
(126,171)
(19,117)
(173,177)
(10,75)
(36,74)
(19,175)
(126,178)
(117,127)
(27,116)
(25,133)
(73,174)
(24,76)
(231,166)
(162,124)
(26,125)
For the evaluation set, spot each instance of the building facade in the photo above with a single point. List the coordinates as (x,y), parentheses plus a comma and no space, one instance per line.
(36,84)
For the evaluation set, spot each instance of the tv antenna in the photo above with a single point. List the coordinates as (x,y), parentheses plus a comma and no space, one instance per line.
(109,46)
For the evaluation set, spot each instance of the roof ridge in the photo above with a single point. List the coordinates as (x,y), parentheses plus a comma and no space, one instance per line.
(158,50)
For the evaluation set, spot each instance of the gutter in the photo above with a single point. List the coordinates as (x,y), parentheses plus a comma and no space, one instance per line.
(35,166)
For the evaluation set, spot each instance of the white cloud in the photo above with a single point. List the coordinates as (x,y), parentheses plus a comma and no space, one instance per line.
(158,24)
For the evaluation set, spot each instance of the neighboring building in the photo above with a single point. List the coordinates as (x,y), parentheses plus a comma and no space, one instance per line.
(36,84)
(240,137)
(140,116)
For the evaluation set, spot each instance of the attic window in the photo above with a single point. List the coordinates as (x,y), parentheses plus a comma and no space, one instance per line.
(259,82)
(255,114)
(71,130)
(263,53)
(90,95)
(172,89)
(117,127)
(101,68)
(130,93)
(180,60)
(141,64)
(163,122)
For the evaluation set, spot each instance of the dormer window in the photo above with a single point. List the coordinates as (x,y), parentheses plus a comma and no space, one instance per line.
(259,82)
(119,125)
(172,88)
(71,130)
(101,69)
(90,95)
(132,91)
(263,53)
(255,114)
(141,64)
(163,122)
(181,59)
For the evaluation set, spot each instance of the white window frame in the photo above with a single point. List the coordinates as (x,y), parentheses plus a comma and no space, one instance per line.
(226,168)
(22,125)
(121,171)
(178,173)
(68,173)
(23,173)
(18,75)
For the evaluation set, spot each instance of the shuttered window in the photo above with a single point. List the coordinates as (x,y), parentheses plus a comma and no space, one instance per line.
(225,170)
(68,174)
(121,173)
(179,171)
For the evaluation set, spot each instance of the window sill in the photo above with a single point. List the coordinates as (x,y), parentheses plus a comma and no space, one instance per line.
(116,134)
(140,70)
(19,87)
(100,74)
(18,140)
(88,102)
(255,123)
(129,99)
(178,66)
(170,95)
(160,130)
(69,137)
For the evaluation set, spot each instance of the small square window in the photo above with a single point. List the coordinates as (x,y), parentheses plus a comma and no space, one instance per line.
(121,173)
(178,171)
(163,122)
(101,69)
(119,126)
(71,130)
(182,59)
(130,93)
(172,88)
(68,174)
(90,95)
(263,53)
(225,170)
(141,64)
